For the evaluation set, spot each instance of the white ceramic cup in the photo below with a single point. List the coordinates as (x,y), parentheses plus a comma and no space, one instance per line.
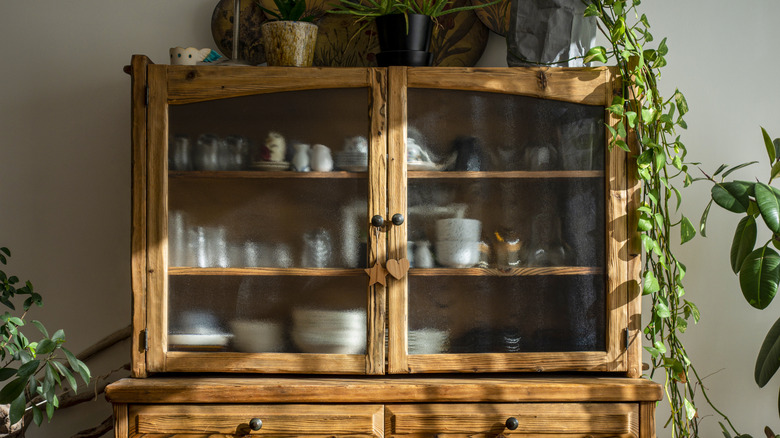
(458,229)
(457,254)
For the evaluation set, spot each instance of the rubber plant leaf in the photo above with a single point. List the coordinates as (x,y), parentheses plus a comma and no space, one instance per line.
(768,360)
(743,243)
(733,196)
(759,277)
(769,205)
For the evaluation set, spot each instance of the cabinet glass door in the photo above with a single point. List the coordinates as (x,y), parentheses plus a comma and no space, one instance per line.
(265,218)
(506,232)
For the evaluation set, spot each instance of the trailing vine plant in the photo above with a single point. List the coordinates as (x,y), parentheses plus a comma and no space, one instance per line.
(648,131)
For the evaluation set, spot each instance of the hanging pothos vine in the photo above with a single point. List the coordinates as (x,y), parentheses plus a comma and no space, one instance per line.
(648,130)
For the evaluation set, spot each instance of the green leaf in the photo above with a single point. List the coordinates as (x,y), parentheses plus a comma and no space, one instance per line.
(733,196)
(46,346)
(647,115)
(37,415)
(770,147)
(743,243)
(775,170)
(67,374)
(662,310)
(40,327)
(77,365)
(759,277)
(769,206)
(650,283)
(28,369)
(12,390)
(59,336)
(768,360)
(618,29)
(7,373)
(690,410)
(703,220)
(597,53)
(50,409)
(682,104)
(687,230)
(737,167)
(16,411)
(592,11)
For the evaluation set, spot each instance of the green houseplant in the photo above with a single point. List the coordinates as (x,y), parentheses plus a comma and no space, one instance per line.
(33,370)
(757,266)
(289,37)
(404,27)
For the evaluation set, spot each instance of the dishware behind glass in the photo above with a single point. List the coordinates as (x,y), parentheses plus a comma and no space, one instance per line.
(423,257)
(579,145)
(234,154)
(457,254)
(317,249)
(541,157)
(206,153)
(546,247)
(179,153)
(458,229)
(178,245)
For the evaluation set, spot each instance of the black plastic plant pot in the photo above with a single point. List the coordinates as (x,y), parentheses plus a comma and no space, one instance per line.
(410,58)
(394,34)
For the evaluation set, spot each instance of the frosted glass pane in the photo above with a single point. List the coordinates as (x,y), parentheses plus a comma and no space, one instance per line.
(508,314)
(267,222)
(524,222)
(259,314)
(469,130)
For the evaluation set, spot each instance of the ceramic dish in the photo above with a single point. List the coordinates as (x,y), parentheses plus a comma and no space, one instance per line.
(189,339)
(270,165)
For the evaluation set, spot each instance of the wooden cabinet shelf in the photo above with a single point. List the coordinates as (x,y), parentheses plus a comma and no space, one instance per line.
(513,272)
(516,174)
(248,174)
(295,272)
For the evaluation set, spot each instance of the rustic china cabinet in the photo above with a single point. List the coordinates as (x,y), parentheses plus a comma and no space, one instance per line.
(278,291)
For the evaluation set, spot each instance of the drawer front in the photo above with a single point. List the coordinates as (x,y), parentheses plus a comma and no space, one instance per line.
(277,420)
(550,420)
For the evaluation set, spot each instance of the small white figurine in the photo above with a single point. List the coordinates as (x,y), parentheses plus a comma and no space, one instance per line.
(275,147)
(300,160)
(192,56)
(321,160)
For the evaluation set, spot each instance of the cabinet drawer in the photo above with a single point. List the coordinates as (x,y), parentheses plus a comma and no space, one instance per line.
(533,419)
(277,420)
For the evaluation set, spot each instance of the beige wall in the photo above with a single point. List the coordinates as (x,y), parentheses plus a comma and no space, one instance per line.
(65,163)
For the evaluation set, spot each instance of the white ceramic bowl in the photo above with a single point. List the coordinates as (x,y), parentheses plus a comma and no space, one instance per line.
(254,336)
(457,254)
(458,229)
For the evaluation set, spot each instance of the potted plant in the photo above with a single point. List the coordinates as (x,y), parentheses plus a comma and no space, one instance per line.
(404,27)
(33,370)
(289,37)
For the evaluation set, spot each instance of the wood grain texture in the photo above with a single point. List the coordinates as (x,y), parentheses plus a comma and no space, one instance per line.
(570,419)
(508,362)
(278,420)
(617,241)
(647,419)
(138,214)
(189,84)
(222,362)
(464,389)
(377,201)
(251,174)
(157,218)
(515,174)
(513,272)
(398,290)
(121,421)
(577,85)
(274,272)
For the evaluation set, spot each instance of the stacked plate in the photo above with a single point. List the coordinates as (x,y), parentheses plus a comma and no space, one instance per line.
(257,336)
(329,331)
(352,161)
(428,341)
(270,165)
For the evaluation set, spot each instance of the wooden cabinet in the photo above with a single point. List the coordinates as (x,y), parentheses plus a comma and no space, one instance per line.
(495,185)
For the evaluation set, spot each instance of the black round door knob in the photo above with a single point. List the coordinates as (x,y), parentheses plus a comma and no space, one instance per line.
(377,221)
(255,424)
(512,423)
(397,219)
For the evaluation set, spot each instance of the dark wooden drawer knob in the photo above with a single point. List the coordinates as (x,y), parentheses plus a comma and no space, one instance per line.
(512,423)
(255,424)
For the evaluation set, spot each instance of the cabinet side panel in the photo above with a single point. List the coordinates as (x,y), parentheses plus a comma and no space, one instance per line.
(377,192)
(138,224)
(617,249)
(396,187)
(121,426)
(647,420)
(157,215)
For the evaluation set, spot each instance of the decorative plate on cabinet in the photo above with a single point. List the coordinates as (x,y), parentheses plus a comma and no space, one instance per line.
(495,17)
(250,40)
(459,40)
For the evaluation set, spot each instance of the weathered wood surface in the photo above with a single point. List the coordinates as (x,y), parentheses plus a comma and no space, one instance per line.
(576,419)
(313,389)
